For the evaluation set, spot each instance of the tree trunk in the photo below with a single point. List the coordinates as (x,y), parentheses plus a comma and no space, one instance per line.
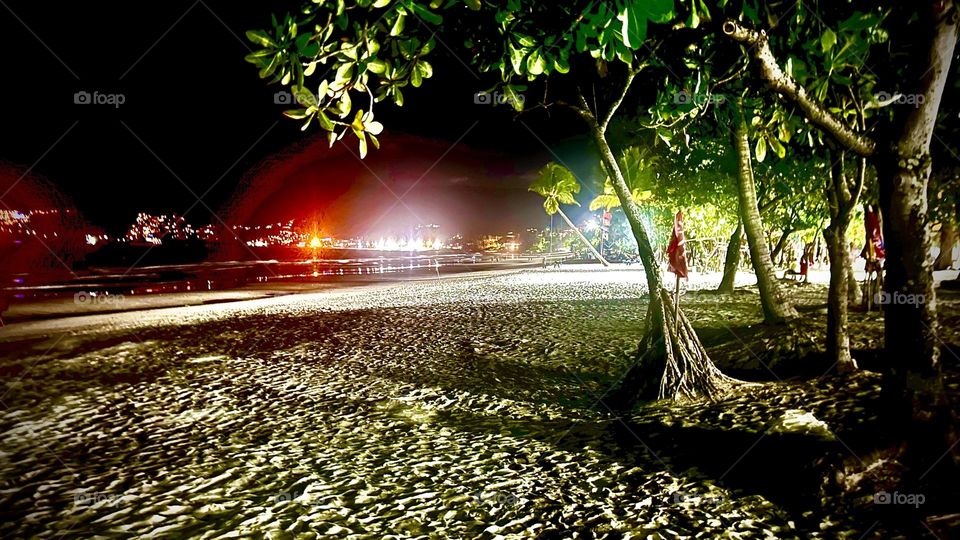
(732,261)
(672,362)
(775,306)
(583,238)
(854,294)
(842,197)
(778,248)
(914,384)
(838,337)
(948,238)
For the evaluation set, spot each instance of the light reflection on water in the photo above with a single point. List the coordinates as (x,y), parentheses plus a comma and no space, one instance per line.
(208,276)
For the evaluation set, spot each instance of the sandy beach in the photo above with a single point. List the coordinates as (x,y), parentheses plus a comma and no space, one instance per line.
(467,405)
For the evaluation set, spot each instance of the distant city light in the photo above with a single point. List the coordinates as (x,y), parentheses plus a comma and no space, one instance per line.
(149,230)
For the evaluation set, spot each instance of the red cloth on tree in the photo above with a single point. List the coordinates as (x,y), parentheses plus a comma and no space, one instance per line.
(677,250)
(873,250)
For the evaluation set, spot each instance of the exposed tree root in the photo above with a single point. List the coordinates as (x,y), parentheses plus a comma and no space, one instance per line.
(673,363)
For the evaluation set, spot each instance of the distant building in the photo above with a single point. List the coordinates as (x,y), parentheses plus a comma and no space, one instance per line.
(152,229)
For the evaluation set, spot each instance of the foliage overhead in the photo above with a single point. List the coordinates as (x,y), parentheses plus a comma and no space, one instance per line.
(558,185)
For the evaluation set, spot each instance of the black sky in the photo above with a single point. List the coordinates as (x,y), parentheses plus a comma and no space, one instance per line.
(195,117)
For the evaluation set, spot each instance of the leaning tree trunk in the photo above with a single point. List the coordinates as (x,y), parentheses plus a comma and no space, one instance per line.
(778,248)
(732,261)
(673,363)
(583,238)
(776,308)
(948,237)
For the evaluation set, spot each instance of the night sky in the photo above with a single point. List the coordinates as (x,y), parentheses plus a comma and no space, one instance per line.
(197,122)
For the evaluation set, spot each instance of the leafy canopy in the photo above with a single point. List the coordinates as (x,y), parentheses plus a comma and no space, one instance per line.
(558,185)
(336,53)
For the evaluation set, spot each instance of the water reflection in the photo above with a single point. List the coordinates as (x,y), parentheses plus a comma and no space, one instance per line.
(208,276)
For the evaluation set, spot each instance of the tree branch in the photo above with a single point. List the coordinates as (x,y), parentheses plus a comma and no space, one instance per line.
(786,86)
(631,74)
(582,110)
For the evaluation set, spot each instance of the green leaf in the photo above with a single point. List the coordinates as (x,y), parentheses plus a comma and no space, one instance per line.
(311,50)
(373,127)
(261,38)
(761,149)
(357,123)
(516,59)
(513,98)
(296,114)
(658,11)
(344,105)
(693,21)
(860,21)
(778,148)
(271,67)
(304,97)
(635,16)
(409,47)
(259,58)
(424,68)
(473,4)
(428,46)
(634,26)
(416,78)
(363,145)
(302,41)
(377,66)
(324,121)
(535,63)
(828,40)
(566,198)
(397,28)
(425,14)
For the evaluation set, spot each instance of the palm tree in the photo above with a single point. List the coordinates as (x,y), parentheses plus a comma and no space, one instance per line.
(558,186)
(638,167)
